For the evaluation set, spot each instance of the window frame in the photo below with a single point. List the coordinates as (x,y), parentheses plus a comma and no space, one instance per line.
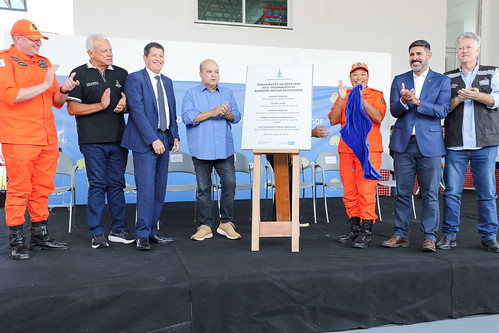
(289,25)
(25,9)
(451,60)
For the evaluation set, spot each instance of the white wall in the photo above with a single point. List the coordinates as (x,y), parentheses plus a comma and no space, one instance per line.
(51,16)
(183,58)
(387,26)
(365,26)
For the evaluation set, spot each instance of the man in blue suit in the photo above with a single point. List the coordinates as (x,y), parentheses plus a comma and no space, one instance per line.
(419,99)
(151,133)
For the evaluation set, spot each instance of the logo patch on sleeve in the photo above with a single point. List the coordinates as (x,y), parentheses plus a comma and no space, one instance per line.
(2,63)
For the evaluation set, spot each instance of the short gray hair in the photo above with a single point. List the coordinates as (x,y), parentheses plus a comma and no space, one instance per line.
(92,38)
(204,61)
(470,35)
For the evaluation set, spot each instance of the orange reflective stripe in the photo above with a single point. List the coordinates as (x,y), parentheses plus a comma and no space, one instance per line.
(31,170)
(359,194)
(32,121)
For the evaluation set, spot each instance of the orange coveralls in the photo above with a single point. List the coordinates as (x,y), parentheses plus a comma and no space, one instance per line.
(359,194)
(28,136)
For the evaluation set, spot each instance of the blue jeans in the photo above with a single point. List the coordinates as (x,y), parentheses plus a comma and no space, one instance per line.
(226,170)
(105,164)
(482,163)
(406,165)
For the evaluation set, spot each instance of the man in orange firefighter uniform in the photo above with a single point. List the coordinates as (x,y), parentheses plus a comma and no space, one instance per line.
(359,194)
(28,90)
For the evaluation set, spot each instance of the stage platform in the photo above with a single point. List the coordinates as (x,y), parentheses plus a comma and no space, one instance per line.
(219,285)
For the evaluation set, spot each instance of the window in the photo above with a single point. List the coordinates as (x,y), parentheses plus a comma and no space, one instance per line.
(246,12)
(13,5)
(462,15)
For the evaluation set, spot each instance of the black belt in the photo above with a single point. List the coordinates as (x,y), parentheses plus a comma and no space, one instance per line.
(413,137)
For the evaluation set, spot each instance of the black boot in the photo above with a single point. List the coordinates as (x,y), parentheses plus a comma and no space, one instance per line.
(354,230)
(40,239)
(17,249)
(364,238)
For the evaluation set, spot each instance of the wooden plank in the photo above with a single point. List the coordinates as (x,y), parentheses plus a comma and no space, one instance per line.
(287,225)
(255,213)
(282,187)
(295,221)
(275,229)
(275,151)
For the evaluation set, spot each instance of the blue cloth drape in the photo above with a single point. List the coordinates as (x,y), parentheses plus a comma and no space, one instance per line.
(354,133)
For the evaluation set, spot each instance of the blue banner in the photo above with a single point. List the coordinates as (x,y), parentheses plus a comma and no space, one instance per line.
(323,100)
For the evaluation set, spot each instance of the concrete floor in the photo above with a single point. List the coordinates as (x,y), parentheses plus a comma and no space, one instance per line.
(472,324)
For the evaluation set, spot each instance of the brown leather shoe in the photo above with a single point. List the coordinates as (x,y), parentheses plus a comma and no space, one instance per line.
(396,241)
(428,246)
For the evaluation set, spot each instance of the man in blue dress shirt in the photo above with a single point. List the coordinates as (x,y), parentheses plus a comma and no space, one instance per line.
(208,112)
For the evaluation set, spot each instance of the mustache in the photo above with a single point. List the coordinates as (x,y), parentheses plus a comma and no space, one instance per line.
(416,61)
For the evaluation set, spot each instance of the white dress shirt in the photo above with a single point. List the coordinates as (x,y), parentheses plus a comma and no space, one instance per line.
(154,83)
(418,87)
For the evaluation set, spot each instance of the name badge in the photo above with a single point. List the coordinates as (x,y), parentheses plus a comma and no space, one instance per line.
(484,82)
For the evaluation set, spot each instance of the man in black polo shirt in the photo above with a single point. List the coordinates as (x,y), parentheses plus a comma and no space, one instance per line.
(98,104)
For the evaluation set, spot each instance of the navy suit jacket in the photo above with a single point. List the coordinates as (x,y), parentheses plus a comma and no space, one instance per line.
(435,101)
(142,127)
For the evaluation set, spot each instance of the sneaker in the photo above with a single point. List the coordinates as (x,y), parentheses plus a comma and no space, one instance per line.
(125,237)
(490,245)
(203,232)
(227,229)
(99,241)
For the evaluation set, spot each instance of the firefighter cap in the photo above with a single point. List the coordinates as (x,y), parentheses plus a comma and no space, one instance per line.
(27,29)
(358,65)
